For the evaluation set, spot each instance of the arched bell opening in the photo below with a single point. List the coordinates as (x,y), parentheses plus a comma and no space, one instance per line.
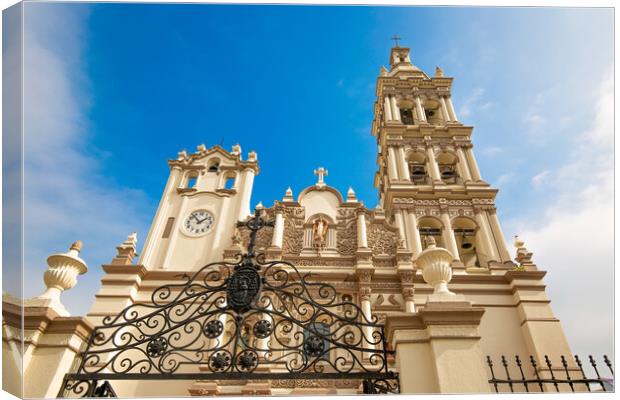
(432,110)
(431,227)
(447,164)
(417,168)
(468,242)
(406,108)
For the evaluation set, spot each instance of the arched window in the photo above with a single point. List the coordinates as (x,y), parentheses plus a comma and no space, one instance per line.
(432,112)
(229,182)
(447,167)
(417,168)
(192,178)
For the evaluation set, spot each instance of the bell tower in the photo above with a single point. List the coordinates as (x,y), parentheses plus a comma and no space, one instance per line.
(428,179)
(206,194)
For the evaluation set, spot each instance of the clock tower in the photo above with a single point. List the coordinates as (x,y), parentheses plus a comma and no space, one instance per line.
(206,194)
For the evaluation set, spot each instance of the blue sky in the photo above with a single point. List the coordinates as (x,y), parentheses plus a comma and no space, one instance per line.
(114,90)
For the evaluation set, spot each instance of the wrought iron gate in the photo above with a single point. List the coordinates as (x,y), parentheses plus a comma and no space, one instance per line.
(231,318)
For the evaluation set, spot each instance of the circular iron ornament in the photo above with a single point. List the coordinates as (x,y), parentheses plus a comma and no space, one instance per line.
(247,360)
(314,346)
(213,329)
(262,329)
(219,361)
(156,347)
(243,288)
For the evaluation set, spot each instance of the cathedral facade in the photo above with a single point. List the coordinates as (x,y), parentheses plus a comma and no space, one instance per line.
(440,324)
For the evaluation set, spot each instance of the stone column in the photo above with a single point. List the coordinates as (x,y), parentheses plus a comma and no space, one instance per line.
(387,109)
(448,235)
(498,234)
(246,193)
(278,229)
(400,223)
(392,164)
(366,307)
(451,110)
(420,110)
(485,239)
(432,163)
(444,109)
(416,241)
(402,164)
(473,166)
(362,238)
(395,110)
(464,165)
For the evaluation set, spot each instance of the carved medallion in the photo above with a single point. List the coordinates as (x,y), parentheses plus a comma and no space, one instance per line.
(243,288)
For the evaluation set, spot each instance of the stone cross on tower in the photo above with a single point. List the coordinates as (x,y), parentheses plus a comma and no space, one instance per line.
(321,173)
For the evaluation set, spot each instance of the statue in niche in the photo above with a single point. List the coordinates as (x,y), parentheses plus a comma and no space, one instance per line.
(319,232)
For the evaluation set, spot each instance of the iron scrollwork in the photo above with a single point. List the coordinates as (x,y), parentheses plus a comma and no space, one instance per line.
(231,318)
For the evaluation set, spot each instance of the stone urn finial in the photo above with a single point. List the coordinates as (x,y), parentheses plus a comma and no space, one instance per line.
(435,264)
(62,272)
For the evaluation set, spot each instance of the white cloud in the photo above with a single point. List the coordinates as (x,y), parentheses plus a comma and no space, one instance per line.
(505,178)
(491,150)
(470,102)
(66,195)
(540,178)
(574,241)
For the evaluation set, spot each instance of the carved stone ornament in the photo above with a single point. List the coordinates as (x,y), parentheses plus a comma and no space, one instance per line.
(292,242)
(365,292)
(381,240)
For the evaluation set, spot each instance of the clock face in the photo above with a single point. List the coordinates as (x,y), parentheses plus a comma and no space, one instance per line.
(198,222)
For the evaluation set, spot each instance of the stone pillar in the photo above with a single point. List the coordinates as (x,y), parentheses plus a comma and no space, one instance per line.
(387,109)
(541,329)
(278,229)
(444,109)
(448,235)
(451,110)
(420,110)
(473,166)
(464,164)
(245,194)
(395,110)
(444,337)
(432,163)
(406,274)
(362,237)
(364,276)
(485,239)
(392,164)
(402,164)
(50,342)
(416,241)
(499,236)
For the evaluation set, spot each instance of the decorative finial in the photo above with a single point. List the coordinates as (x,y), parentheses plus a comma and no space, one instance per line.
(77,246)
(201,148)
(260,206)
(351,196)
(321,173)
(396,38)
(252,156)
(126,251)
(435,263)
(236,149)
(181,154)
(63,270)
(438,71)
(288,196)
(383,71)
(431,243)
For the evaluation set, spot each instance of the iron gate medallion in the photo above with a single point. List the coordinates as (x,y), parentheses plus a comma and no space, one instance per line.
(243,288)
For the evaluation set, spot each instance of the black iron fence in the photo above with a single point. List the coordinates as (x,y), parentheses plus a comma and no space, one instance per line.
(567,375)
